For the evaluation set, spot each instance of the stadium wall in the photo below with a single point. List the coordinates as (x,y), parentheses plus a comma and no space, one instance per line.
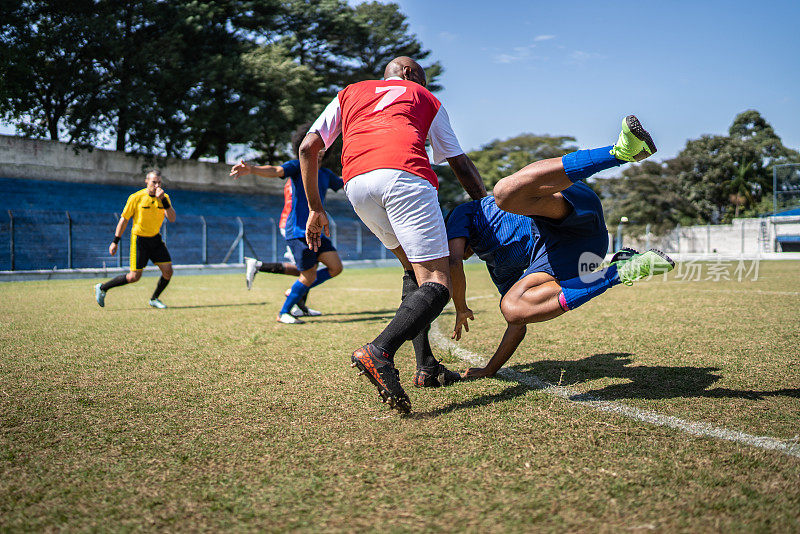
(743,237)
(41,159)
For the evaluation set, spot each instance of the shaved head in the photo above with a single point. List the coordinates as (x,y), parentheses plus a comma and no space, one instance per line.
(406,68)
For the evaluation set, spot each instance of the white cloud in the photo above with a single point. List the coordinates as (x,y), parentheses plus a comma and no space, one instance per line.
(580,57)
(448,37)
(518,53)
(544,37)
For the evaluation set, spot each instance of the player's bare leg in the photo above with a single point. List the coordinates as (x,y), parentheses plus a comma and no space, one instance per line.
(333,267)
(532,299)
(521,191)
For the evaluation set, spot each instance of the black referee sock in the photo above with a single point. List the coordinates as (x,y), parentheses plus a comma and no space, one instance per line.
(120,280)
(275,268)
(162,283)
(422,346)
(413,316)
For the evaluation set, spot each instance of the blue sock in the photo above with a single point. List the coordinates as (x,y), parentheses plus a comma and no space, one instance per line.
(323,275)
(584,163)
(575,291)
(295,294)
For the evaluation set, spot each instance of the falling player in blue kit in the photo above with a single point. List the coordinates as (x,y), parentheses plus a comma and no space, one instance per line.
(539,235)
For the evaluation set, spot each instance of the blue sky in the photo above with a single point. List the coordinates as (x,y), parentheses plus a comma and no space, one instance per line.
(576,68)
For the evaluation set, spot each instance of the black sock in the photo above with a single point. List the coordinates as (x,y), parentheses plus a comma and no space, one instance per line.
(120,280)
(162,283)
(413,316)
(276,268)
(422,346)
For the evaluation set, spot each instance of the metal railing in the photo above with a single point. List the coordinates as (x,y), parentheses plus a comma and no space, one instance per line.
(38,239)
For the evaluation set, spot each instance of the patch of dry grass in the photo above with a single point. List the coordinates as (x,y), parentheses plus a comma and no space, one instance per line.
(211,416)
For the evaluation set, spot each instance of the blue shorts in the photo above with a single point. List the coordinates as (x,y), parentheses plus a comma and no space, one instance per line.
(304,257)
(560,244)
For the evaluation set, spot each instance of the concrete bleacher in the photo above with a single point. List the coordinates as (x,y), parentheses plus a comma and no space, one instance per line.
(47,213)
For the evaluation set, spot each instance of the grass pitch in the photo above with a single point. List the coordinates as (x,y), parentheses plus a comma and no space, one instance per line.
(211,416)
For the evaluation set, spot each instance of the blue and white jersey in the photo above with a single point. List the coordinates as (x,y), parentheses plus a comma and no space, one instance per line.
(298,214)
(516,245)
(503,240)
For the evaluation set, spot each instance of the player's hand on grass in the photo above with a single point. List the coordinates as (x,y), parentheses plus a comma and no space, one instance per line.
(316,224)
(462,319)
(476,372)
(240,169)
(112,248)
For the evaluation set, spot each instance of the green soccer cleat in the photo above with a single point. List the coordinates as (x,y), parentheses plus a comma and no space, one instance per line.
(99,295)
(644,265)
(634,143)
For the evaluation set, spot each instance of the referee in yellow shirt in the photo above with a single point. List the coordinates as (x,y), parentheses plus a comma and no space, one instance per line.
(147,207)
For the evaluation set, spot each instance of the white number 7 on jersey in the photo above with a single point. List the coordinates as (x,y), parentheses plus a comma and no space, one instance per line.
(392,93)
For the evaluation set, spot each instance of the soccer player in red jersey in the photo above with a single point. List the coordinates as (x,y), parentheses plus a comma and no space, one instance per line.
(389,181)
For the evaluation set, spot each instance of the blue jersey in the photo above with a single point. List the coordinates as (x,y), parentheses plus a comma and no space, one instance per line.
(516,245)
(298,214)
(501,239)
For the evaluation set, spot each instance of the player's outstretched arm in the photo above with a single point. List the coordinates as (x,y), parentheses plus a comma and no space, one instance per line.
(265,171)
(123,222)
(459,283)
(512,337)
(468,176)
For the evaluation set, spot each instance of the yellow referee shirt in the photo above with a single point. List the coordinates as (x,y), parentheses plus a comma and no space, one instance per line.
(146,212)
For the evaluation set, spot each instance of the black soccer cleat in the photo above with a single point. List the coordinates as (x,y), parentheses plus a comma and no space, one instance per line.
(376,365)
(427,377)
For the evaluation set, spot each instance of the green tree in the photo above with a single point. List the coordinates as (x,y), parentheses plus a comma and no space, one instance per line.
(381,35)
(283,94)
(647,193)
(722,175)
(47,75)
(499,158)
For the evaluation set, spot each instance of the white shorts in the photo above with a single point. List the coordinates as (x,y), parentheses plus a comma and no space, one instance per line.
(401,209)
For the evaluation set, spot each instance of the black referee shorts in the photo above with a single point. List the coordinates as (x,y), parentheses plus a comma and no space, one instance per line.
(144,249)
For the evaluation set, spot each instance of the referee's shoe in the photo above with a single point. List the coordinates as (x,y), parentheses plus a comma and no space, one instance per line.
(99,295)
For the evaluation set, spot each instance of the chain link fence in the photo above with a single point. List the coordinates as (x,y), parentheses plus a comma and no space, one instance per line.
(40,239)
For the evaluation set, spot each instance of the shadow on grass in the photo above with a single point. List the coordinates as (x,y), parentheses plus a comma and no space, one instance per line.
(646,382)
(484,400)
(372,315)
(178,307)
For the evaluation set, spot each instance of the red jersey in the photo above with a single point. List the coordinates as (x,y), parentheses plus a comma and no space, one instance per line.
(384,126)
(287,203)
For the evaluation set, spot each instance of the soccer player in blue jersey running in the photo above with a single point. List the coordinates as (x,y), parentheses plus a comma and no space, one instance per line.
(540,255)
(306,260)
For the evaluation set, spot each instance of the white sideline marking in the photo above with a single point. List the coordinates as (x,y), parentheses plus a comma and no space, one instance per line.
(697,429)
